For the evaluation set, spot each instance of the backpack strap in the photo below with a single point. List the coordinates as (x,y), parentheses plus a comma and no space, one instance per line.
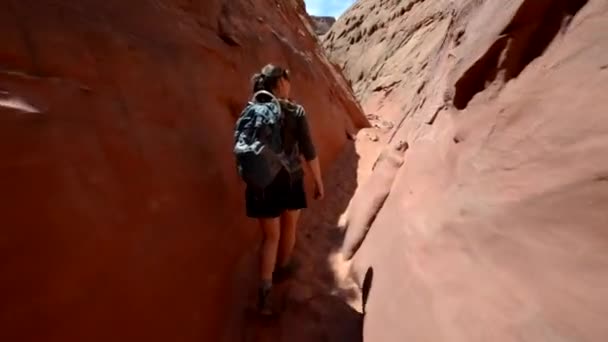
(273,99)
(263,92)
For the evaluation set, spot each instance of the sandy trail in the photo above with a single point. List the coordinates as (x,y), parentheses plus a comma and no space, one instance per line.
(321,302)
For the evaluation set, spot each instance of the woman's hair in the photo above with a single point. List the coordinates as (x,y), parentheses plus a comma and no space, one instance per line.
(268,79)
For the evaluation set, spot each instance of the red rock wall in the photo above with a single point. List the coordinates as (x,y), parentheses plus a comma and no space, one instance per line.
(495,225)
(122,214)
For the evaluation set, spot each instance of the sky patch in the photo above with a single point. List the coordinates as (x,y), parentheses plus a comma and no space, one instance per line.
(332,8)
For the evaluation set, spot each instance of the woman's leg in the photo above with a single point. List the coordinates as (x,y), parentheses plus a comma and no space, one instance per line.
(289,223)
(272,232)
(295,201)
(271,228)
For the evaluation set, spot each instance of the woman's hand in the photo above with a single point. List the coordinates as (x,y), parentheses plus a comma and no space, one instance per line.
(316,173)
(319,191)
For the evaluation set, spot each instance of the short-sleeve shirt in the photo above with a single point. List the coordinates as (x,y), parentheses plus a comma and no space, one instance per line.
(296,137)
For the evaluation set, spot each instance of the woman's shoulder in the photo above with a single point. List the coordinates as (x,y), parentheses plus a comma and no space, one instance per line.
(292,107)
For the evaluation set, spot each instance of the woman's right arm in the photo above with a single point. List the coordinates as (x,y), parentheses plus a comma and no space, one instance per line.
(307,148)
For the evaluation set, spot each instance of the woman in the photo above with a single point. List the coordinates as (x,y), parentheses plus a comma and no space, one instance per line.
(277,207)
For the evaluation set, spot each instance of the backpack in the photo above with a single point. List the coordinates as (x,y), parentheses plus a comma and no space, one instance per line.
(258,143)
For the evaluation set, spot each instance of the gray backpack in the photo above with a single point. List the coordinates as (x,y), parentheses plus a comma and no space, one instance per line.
(257,141)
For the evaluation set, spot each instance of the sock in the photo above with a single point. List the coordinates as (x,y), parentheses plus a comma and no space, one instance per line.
(266,285)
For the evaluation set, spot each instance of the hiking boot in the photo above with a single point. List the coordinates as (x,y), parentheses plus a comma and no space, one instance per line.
(283,273)
(264,302)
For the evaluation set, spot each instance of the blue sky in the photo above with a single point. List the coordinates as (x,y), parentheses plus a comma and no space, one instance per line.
(332,8)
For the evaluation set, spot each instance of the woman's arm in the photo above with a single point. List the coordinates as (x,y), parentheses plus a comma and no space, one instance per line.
(315,168)
(309,152)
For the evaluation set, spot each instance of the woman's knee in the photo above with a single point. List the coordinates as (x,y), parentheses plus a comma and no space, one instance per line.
(289,219)
(271,228)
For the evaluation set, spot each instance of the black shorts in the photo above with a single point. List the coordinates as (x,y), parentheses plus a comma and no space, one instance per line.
(284,193)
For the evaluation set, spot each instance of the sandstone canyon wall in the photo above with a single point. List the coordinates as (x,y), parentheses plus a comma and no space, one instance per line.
(322,24)
(122,214)
(493,226)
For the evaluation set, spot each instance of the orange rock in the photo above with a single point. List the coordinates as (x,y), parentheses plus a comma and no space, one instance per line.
(122,211)
(495,225)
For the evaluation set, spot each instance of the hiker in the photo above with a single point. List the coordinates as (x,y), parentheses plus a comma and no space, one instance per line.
(277,202)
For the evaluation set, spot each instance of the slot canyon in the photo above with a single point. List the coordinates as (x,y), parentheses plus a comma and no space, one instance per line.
(464,149)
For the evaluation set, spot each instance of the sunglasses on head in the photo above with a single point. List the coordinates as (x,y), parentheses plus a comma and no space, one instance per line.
(280,72)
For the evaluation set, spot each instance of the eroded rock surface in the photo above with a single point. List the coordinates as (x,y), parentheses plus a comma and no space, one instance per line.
(496,224)
(322,24)
(122,213)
